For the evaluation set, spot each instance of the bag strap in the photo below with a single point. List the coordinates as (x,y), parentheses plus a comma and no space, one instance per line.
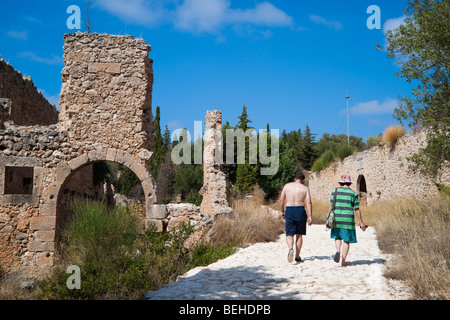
(334,200)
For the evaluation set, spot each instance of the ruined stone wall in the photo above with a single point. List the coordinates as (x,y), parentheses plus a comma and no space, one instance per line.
(214,185)
(385,171)
(106,90)
(105,115)
(28,106)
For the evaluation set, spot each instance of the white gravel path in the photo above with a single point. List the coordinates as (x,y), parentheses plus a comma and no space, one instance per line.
(262,272)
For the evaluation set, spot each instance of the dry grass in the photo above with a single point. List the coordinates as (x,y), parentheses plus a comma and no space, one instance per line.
(418,236)
(392,134)
(249,224)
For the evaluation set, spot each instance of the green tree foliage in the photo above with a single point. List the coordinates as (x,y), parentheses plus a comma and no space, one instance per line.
(307,149)
(127,181)
(271,185)
(160,144)
(246,174)
(421,47)
(188,179)
(334,142)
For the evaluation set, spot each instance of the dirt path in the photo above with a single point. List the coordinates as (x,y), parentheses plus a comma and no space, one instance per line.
(262,271)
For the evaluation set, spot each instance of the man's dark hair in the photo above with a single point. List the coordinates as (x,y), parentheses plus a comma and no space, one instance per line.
(300,176)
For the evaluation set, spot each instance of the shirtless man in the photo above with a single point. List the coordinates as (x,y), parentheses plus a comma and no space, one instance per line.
(296,195)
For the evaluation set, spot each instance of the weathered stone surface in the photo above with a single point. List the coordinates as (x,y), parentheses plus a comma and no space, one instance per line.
(40,246)
(78,162)
(104,67)
(385,172)
(214,186)
(105,114)
(157,211)
(42,223)
(26,106)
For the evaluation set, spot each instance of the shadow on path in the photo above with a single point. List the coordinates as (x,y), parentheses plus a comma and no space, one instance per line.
(244,283)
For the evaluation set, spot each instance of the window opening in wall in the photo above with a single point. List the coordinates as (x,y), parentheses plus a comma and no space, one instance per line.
(19,180)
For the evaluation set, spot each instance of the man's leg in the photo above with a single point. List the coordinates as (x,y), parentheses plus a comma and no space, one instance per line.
(345,249)
(299,244)
(290,241)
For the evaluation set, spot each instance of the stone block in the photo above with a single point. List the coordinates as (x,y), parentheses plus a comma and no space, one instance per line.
(43,223)
(40,246)
(47,209)
(44,259)
(97,155)
(140,170)
(124,158)
(111,154)
(78,162)
(62,172)
(157,211)
(44,235)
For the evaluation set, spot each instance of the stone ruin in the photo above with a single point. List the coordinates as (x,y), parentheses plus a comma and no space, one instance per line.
(382,174)
(105,115)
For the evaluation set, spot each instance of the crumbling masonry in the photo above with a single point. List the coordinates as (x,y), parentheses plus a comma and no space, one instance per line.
(105,115)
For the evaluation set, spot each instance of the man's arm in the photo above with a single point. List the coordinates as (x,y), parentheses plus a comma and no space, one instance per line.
(283,195)
(309,205)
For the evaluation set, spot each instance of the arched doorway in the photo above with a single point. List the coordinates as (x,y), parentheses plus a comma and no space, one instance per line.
(362,189)
(66,170)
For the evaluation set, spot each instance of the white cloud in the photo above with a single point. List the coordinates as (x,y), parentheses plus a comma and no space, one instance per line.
(375,107)
(139,12)
(392,24)
(34,57)
(264,14)
(199,16)
(329,23)
(20,35)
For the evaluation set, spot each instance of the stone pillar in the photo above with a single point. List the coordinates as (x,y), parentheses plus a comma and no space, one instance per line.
(214,186)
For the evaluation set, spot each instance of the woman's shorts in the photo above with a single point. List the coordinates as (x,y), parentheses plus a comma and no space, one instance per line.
(344,234)
(295,221)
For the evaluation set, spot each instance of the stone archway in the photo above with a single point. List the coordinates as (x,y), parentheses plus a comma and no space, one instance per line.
(361,188)
(46,224)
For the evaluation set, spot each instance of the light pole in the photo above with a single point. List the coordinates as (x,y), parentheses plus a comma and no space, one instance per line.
(348,124)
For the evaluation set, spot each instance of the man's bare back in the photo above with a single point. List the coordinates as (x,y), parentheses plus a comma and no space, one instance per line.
(296,194)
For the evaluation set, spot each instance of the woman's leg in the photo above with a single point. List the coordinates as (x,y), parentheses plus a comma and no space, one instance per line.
(345,249)
(338,243)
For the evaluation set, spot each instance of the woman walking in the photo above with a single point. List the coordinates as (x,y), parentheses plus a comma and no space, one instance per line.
(344,231)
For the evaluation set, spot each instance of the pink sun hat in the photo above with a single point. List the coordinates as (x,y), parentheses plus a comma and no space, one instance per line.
(345,179)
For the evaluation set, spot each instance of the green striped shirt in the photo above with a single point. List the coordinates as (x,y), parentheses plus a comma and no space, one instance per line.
(346,201)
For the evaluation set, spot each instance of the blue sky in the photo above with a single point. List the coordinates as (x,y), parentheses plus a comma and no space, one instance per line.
(290,62)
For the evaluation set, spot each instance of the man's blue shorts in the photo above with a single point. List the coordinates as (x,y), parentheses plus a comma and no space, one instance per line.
(295,221)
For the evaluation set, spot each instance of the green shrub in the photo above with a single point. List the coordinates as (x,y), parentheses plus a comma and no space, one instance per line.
(344,151)
(318,165)
(324,161)
(116,260)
